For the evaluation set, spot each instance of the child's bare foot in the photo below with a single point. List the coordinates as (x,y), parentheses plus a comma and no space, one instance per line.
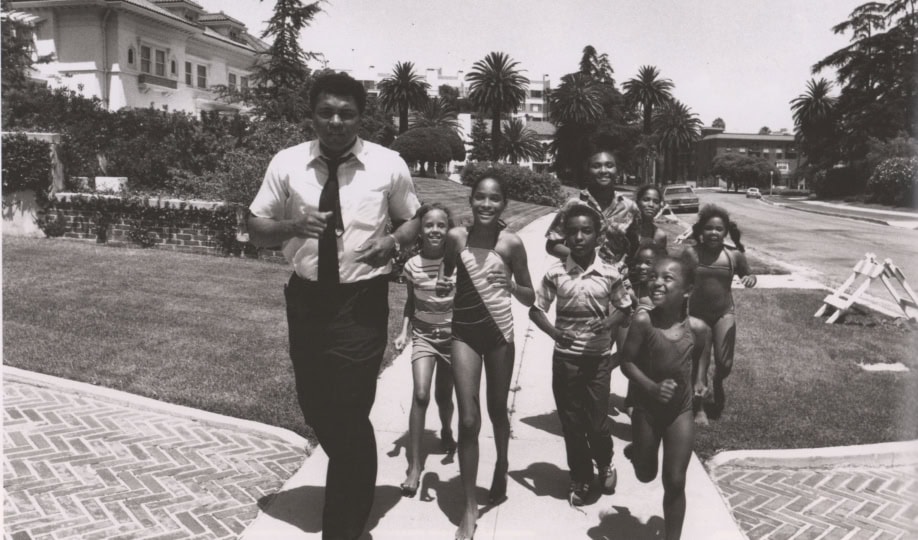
(447,442)
(701,418)
(410,486)
(466,530)
(498,492)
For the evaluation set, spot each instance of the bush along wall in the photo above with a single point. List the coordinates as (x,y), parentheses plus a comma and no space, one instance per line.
(26,165)
(208,228)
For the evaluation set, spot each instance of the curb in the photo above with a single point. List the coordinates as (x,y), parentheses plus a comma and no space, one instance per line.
(139,402)
(822,213)
(890,454)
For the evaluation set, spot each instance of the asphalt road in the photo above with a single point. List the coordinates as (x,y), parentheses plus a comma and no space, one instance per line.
(826,246)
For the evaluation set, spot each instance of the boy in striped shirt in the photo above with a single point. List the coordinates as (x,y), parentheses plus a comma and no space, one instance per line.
(591,304)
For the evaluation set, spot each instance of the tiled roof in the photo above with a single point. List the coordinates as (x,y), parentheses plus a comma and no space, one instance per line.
(216,17)
(190,2)
(149,5)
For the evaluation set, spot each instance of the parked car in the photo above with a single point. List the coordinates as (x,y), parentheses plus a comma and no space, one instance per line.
(680,198)
(753,193)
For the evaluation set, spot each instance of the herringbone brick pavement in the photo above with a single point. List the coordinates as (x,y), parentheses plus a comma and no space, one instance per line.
(79,467)
(869,503)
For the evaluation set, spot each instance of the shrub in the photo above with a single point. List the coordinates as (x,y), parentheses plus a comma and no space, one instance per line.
(51,224)
(839,182)
(520,183)
(895,182)
(26,164)
(423,144)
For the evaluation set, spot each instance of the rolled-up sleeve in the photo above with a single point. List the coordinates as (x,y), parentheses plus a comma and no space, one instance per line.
(545,293)
(270,200)
(403,200)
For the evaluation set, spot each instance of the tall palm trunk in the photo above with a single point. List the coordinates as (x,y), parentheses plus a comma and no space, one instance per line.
(402,119)
(495,135)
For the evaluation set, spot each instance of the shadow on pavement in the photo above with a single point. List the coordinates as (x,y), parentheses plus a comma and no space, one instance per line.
(620,524)
(549,423)
(430,445)
(543,479)
(302,506)
(449,496)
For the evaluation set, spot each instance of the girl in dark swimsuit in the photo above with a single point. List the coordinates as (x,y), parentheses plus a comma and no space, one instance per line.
(662,346)
(712,300)
(490,265)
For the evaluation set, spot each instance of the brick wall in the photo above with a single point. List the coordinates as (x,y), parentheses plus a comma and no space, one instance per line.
(81,224)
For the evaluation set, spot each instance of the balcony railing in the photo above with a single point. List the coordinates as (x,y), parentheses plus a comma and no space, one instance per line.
(146,78)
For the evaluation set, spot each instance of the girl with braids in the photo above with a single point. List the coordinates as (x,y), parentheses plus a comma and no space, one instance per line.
(711,300)
(428,319)
(650,201)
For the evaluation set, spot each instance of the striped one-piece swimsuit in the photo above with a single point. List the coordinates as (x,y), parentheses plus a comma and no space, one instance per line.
(481,310)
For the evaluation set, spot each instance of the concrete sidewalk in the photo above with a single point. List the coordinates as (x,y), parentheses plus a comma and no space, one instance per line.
(537,506)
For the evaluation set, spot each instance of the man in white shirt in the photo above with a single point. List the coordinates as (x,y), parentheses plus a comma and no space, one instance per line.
(329,203)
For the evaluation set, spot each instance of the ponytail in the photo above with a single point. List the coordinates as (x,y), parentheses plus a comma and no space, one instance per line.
(735,236)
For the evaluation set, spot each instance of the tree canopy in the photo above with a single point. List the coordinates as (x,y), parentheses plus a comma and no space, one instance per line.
(497,86)
(402,91)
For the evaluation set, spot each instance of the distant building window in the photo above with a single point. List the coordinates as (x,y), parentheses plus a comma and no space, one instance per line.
(535,108)
(188,74)
(131,56)
(172,69)
(535,94)
(791,154)
(231,79)
(783,167)
(742,150)
(145,56)
(160,64)
(244,82)
(202,76)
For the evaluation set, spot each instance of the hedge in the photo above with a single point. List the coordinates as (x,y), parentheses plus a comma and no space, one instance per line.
(26,164)
(520,183)
(895,182)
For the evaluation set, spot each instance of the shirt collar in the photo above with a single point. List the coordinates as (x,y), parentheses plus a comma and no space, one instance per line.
(358,150)
(572,267)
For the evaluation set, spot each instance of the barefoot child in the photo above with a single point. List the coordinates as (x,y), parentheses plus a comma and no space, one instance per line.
(659,352)
(429,318)
(591,303)
(490,266)
(712,299)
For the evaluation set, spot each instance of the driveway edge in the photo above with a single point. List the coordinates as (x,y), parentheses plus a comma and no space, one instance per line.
(124,398)
(878,455)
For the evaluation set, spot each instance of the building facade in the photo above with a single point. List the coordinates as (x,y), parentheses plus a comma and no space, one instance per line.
(778,149)
(165,54)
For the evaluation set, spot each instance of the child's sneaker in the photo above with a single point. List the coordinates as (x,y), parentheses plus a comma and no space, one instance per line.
(578,493)
(608,479)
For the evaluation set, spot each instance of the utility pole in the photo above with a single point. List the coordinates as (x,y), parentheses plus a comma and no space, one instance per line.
(771,176)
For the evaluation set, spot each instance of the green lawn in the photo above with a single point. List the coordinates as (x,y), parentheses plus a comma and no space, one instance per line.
(796,383)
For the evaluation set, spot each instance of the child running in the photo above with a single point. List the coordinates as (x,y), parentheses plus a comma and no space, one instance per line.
(650,202)
(662,346)
(429,318)
(490,265)
(712,300)
(591,302)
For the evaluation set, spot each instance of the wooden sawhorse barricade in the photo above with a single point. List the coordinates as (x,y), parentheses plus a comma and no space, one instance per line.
(867,270)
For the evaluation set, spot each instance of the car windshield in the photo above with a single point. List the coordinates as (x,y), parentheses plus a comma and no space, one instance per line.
(673,191)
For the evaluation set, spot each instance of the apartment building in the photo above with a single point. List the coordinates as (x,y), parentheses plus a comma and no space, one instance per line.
(165,54)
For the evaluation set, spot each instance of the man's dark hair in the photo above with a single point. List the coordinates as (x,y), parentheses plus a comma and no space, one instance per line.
(338,84)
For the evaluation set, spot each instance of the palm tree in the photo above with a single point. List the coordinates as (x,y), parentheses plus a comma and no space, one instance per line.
(436,113)
(577,100)
(648,91)
(676,128)
(403,90)
(813,119)
(518,142)
(496,87)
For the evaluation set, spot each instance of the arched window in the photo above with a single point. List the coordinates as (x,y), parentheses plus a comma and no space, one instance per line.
(173,69)
(131,55)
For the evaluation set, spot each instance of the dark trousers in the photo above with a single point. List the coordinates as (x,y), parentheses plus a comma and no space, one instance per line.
(337,339)
(581,389)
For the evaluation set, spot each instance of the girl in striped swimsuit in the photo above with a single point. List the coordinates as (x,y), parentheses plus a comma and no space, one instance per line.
(428,316)
(490,266)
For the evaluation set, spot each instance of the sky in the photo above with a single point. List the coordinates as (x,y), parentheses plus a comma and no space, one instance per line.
(740,60)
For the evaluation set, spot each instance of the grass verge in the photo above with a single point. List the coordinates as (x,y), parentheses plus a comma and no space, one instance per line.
(796,383)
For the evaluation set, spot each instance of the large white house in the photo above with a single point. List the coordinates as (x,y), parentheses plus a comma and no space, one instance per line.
(165,54)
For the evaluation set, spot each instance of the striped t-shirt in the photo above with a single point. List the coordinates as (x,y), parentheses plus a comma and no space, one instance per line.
(431,312)
(583,296)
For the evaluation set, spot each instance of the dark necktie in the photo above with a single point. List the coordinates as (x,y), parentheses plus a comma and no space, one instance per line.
(330,201)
